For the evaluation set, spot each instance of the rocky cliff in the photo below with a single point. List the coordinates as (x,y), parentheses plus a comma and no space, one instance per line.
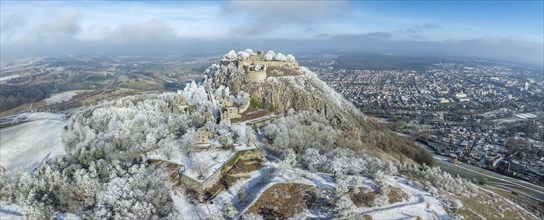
(308,93)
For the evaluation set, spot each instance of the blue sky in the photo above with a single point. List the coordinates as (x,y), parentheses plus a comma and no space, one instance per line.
(495,18)
(40,28)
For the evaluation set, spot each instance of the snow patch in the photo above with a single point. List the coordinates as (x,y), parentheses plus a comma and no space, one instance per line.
(420,204)
(26,145)
(60,97)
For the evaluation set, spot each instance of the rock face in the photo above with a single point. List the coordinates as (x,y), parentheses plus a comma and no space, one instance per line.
(301,93)
(307,92)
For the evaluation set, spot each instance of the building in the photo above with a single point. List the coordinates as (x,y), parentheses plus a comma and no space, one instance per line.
(444,100)
(209,117)
(203,136)
(179,105)
(257,68)
(460,95)
(228,113)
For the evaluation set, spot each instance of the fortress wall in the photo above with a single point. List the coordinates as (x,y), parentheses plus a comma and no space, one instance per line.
(201,188)
(192,184)
(256,76)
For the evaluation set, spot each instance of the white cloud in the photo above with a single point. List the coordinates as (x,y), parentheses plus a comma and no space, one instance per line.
(263,17)
(13,21)
(152,30)
(54,28)
(65,22)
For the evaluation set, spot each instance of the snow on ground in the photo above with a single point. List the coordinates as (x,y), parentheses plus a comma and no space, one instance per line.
(6,78)
(186,209)
(27,144)
(526,115)
(38,116)
(268,176)
(213,159)
(10,211)
(13,212)
(420,203)
(60,97)
(494,113)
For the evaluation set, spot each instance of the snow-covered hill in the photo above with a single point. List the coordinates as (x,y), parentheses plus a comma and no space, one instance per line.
(306,92)
(312,167)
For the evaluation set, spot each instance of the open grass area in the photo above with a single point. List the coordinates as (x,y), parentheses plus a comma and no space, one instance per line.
(396,195)
(141,85)
(527,203)
(284,200)
(12,111)
(488,206)
(104,95)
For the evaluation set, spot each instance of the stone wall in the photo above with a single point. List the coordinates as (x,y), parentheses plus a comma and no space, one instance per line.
(256,76)
(202,188)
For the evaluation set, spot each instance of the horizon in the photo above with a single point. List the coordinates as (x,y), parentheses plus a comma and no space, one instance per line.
(497,30)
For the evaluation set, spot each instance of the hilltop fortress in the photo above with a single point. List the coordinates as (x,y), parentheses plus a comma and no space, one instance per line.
(258,66)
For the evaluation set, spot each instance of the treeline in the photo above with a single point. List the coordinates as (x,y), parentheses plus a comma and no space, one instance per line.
(14,95)
(383,62)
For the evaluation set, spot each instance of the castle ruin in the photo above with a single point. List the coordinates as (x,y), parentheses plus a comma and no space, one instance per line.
(257,68)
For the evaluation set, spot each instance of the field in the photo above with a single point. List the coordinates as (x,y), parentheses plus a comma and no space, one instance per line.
(490,206)
(25,145)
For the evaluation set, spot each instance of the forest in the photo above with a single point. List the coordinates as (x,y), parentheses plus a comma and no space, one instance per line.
(14,95)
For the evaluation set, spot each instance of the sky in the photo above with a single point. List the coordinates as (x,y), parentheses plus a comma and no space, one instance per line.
(488,29)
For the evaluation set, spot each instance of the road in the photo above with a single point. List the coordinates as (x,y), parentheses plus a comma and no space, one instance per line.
(70,103)
(495,180)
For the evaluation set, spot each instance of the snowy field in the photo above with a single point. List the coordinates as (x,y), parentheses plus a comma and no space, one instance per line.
(10,211)
(31,116)
(26,145)
(526,115)
(60,97)
(213,159)
(6,78)
(420,203)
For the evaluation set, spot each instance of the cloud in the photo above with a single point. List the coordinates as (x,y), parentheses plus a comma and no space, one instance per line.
(262,17)
(428,26)
(372,36)
(64,23)
(13,21)
(287,26)
(152,30)
(508,49)
(421,27)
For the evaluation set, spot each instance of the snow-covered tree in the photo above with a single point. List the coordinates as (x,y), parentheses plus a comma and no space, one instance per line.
(251,216)
(289,158)
(229,211)
(313,160)
(188,141)
(242,55)
(456,204)
(249,51)
(270,55)
(344,207)
(222,92)
(290,58)
(230,56)
(280,57)
(7,187)
(201,164)
(242,98)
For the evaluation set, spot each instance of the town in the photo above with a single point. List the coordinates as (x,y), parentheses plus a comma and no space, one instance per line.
(485,114)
